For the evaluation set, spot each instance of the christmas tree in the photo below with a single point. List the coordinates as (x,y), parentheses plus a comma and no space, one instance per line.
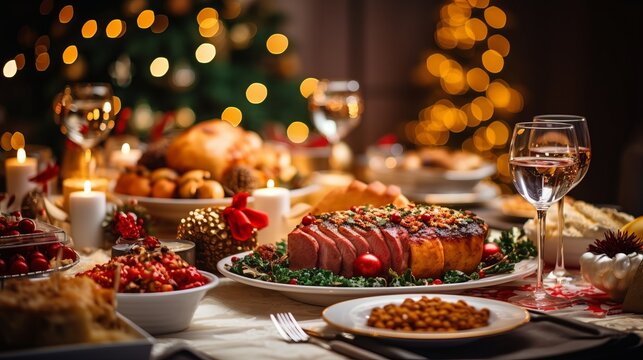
(468,104)
(170,62)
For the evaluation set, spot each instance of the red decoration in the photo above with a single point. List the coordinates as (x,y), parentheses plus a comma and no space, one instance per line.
(388,139)
(43,177)
(243,221)
(128,226)
(367,265)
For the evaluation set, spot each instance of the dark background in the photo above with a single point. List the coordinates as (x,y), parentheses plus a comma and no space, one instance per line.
(575,57)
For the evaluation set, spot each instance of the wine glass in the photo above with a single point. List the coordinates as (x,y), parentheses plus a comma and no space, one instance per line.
(85,114)
(560,274)
(543,158)
(336,107)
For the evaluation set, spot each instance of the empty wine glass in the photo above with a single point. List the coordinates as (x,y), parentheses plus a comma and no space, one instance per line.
(543,158)
(85,114)
(336,107)
(560,274)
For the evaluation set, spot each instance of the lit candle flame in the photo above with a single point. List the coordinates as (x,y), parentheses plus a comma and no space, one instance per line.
(125,148)
(21,156)
(87,186)
(271,183)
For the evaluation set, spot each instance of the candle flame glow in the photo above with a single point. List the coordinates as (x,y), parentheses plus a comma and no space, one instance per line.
(21,156)
(125,148)
(271,183)
(87,186)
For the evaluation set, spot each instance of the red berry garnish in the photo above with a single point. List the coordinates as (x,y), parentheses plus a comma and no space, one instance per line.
(293,281)
(17,257)
(39,264)
(52,250)
(482,274)
(307,220)
(68,253)
(36,254)
(367,265)
(18,267)
(396,218)
(489,250)
(234,259)
(26,226)
(437,282)
(426,217)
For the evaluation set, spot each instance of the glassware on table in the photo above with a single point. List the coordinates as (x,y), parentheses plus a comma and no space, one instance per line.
(336,107)
(543,159)
(85,114)
(560,274)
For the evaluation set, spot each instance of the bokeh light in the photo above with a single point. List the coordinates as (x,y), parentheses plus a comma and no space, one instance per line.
(10,69)
(478,79)
(307,86)
(66,14)
(161,22)
(145,19)
(70,54)
(277,43)
(500,44)
(297,132)
(42,61)
(492,61)
(495,17)
(232,115)
(205,53)
(159,67)
(115,29)
(476,29)
(499,94)
(256,93)
(17,140)
(89,29)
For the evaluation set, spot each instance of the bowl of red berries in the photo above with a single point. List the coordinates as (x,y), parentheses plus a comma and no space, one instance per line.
(157,289)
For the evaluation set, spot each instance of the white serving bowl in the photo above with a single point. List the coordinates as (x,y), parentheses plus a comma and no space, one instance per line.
(164,312)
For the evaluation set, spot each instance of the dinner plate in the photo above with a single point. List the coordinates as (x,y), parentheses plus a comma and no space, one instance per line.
(327,295)
(351,316)
(176,209)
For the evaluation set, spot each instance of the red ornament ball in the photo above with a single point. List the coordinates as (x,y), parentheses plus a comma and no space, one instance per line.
(367,265)
(489,250)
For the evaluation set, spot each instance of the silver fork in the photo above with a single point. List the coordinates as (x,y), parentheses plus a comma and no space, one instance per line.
(291,331)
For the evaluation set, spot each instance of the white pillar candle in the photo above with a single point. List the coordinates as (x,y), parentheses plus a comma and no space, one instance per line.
(18,171)
(125,157)
(274,201)
(87,211)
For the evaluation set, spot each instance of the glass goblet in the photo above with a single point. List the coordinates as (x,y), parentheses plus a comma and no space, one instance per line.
(85,114)
(543,159)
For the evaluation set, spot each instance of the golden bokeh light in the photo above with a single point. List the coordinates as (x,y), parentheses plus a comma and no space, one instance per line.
(232,9)
(209,31)
(232,115)
(476,29)
(499,94)
(516,101)
(307,86)
(89,29)
(42,61)
(117,104)
(500,44)
(66,14)
(159,66)
(277,44)
(5,141)
(495,17)
(10,69)
(17,140)
(472,120)
(482,108)
(70,54)
(453,82)
(497,133)
(185,117)
(256,93)
(161,22)
(115,29)
(206,17)
(480,139)
(205,53)
(480,4)
(433,63)
(455,14)
(445,38)
(297,132)
(447,66)
(145,19)
(478,79)
(492,61)
(502,163)
(455,120)
(20,61)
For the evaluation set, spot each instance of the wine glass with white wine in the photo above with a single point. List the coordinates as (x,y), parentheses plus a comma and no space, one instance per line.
(560,274)
(543,159)
(85,114)
(336,107)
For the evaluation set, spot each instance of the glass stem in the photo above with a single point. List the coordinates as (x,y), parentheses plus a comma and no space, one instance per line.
(559,270)
(540,234)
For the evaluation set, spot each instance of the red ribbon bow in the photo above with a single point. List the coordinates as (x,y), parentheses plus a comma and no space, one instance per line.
(243,221)
(50,172)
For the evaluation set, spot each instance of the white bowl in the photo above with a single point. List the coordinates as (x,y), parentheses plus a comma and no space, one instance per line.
(164,312)
(573,247)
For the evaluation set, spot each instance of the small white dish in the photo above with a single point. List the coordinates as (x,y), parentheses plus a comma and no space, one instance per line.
(164,312)
(352,316)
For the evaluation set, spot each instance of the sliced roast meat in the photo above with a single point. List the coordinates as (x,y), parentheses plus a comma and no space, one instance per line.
(302,250)
(345,247)
(360,243)
(329,257)
(398,244)
(379,247)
